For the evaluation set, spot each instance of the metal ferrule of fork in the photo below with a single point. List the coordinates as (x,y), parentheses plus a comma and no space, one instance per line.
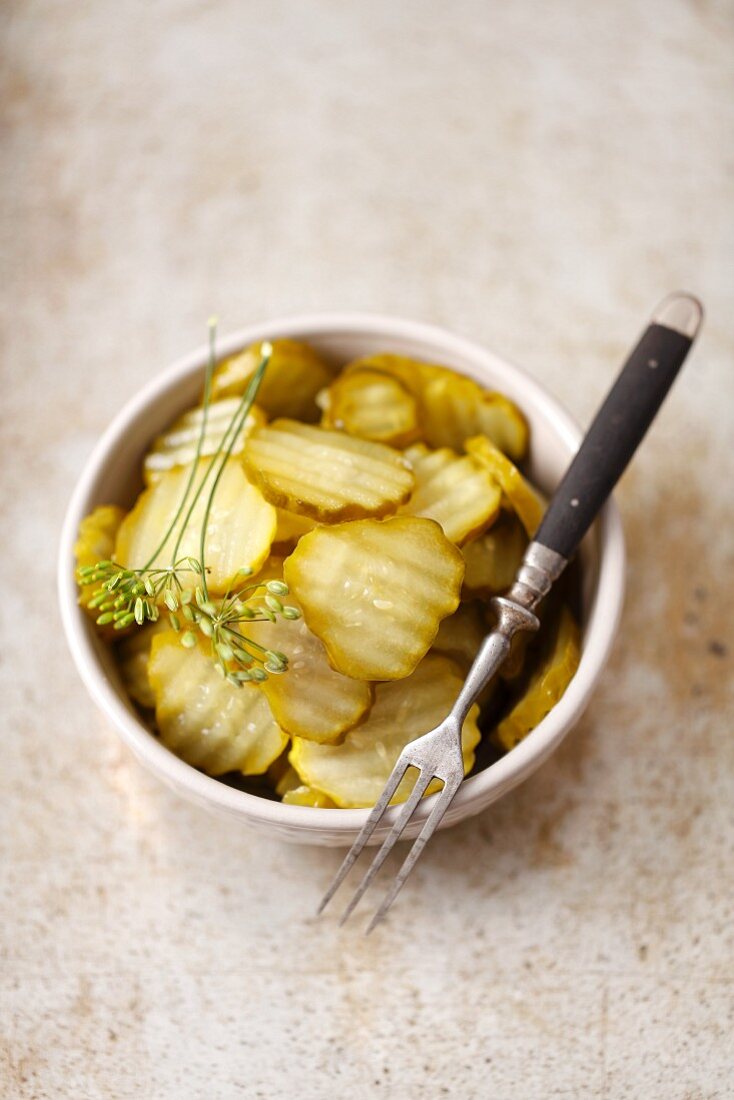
(540,568)
(437,754)
(514,611)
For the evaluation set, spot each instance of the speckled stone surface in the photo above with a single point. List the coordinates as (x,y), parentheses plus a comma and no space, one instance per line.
(536,177)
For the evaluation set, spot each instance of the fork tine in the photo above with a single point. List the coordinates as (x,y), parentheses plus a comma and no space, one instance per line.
(366,831)
(390,840)
(412,857)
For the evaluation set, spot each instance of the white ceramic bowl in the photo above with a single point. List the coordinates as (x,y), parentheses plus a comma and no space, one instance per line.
(112,475)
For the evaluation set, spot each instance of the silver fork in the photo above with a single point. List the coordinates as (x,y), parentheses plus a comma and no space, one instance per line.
(614,435)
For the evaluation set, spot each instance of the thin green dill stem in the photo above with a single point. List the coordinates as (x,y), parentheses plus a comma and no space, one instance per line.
(231,599)
(233,429)
(229,592)
(223,457)
(248,641)
(200,442)
(211,364)
(249,588)
(247,403)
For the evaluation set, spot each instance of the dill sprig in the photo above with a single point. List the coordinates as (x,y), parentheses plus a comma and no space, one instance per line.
(128,597)
(238,657)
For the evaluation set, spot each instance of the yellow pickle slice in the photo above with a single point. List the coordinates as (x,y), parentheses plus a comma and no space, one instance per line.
(205,720)
(240,532)
(461,634)
(288,779)
(327,475)
(307,796)
(270,570)
(295,793)
(177,446)
(493,559)
(456,491)
(311,699)
(354,773)
(523,499)
(96,542)
(290,527)
(294,375)
(547,684)
(376,591)
(133,655)
(452,407)
(371,405)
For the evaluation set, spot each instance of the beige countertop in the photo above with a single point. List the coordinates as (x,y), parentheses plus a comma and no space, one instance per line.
(534,177)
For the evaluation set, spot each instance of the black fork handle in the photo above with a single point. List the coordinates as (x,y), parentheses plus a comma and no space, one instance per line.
(621,423)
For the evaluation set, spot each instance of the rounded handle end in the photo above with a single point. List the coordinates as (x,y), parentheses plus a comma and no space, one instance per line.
(680,312)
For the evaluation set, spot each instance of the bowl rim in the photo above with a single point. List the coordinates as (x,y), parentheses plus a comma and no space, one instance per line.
(487,785)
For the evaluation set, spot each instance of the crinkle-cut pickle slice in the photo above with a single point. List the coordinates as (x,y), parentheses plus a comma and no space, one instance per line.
(354,773)
(456,491)
(278,770)
(288,779)
(97,532)
(293,377)
(270,570)
(375,591)
(307,796)
(461,634)
(293,792)
(204,719)
(523,499)
(452,407)
(460,637)
(290,527)
(239,535)
(547,684)
(133,654)
(177,446)
(311,699)
(96,542)
(514,663)
(372,405)
(493,559)
(327,475)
